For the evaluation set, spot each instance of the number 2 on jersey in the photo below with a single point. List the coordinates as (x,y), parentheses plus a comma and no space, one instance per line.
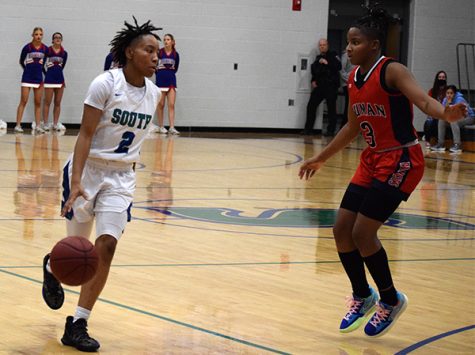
(368,134)
(127,139)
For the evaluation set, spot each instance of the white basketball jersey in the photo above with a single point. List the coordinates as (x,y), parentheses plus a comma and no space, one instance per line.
(126,116)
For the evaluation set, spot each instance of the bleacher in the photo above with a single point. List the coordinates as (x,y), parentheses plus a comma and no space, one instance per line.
(466,85)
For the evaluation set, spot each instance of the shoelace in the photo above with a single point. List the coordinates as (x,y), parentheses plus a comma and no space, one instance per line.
(380,315)
(80,332)
(353,305)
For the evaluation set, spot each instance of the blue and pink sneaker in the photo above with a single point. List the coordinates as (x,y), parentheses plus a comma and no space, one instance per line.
(359,310)
(385,316)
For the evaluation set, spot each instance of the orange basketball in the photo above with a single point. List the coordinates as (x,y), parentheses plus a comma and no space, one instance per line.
(74,261)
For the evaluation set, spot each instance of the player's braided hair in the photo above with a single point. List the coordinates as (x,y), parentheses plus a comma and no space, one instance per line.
(127,35)
(375,23)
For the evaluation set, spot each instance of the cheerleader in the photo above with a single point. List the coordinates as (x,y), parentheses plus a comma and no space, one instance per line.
(56,58)
(165,77)
(110,63)
(32,59)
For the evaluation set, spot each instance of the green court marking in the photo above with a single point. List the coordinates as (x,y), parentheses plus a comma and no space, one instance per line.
(282,263)
(243,264)
(137,310)
(302,218)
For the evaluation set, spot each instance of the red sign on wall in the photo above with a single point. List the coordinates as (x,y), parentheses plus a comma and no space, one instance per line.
(296,5)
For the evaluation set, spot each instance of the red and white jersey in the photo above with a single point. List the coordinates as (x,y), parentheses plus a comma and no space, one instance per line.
(385,115)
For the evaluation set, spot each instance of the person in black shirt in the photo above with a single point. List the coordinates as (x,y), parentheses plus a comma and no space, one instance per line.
(325,83)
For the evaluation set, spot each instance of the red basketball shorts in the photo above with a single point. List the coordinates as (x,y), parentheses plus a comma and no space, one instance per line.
(398,170)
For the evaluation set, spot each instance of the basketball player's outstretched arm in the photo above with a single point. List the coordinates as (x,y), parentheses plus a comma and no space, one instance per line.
(90,120)
(400,78)
(341,140)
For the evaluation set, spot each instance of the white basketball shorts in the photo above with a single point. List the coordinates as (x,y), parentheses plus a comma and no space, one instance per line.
(110,188)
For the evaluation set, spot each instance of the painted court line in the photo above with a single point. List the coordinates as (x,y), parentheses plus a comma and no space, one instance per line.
(432,339)
(314,262)
(170,320)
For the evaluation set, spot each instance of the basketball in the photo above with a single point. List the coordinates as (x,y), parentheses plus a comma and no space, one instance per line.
(74,261)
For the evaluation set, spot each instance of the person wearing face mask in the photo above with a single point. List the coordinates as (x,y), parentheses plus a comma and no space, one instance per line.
(453,97)
(437,92)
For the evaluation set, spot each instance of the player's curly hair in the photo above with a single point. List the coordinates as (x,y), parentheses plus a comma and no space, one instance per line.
(127,35)
(375,23)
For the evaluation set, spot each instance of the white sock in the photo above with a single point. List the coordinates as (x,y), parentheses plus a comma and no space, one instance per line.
(81,313)
(48,268)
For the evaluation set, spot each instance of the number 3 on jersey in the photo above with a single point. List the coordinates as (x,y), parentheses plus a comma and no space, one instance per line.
(127,139)
(368,134)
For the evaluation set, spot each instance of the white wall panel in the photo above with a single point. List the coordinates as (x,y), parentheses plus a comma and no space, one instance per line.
(262,36)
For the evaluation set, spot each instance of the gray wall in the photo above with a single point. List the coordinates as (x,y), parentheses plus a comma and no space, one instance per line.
(264,37)
(436,26)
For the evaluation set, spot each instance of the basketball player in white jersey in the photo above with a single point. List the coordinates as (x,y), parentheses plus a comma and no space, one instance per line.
(99,178)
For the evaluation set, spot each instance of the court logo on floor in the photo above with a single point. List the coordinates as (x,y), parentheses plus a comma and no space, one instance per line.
(302,218)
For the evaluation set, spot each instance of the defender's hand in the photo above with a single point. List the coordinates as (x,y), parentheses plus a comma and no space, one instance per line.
(455,112)
(309,168)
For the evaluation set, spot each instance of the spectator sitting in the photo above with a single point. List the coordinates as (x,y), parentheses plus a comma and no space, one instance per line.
(453,97)
(437,92)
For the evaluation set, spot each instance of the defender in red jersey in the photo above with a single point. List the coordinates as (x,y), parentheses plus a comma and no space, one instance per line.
(381,92)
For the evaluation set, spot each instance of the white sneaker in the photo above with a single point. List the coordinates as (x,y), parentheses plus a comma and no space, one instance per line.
(38,130)
(162,130)
(173,130)
(18,129)
(46,126)
(3,124)
(59,127)
(154,128)
(33,125)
